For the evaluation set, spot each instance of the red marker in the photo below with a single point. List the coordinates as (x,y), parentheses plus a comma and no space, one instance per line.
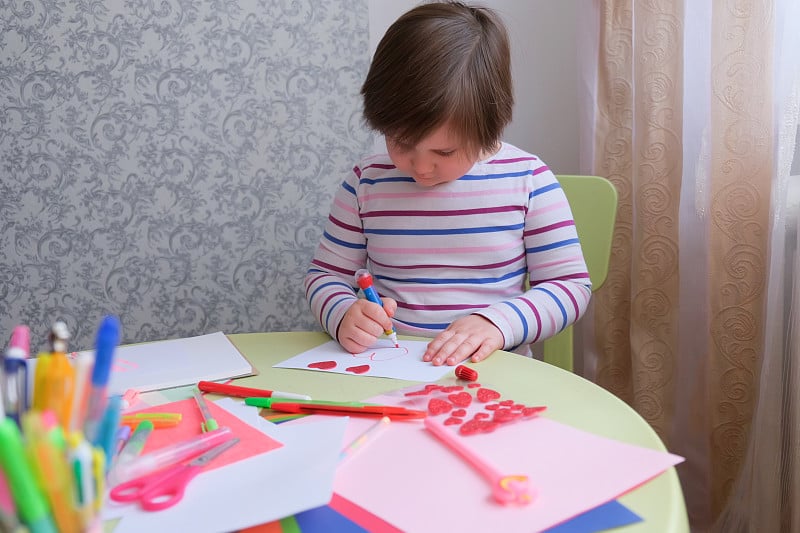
(247,392)
(336,408)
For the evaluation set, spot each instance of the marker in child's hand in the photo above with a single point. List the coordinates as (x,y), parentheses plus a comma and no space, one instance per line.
(364,280)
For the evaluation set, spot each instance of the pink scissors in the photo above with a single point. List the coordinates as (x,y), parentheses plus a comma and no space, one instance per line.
(164,488)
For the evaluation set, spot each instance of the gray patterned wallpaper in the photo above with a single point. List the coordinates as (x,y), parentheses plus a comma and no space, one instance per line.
(171,161)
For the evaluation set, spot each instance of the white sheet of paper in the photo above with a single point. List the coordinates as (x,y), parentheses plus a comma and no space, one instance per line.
(174,363)
(294,478)
(383,361)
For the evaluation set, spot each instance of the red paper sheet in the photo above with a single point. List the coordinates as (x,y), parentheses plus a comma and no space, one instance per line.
(252,441)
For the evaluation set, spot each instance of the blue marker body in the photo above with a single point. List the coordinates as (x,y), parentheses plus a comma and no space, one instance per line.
(108,335)
(364,280)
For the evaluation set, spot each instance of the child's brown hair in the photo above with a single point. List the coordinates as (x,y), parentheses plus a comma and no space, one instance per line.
(442,63)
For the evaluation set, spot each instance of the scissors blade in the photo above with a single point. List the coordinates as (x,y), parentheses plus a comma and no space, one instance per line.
(211,454)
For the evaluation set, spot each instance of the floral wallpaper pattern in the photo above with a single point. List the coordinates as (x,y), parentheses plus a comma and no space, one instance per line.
(171,162)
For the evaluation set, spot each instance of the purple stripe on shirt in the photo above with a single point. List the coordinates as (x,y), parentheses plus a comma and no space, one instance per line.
(536,315)
(551,227)
(514,160)
(571,297)
(576,275)
(454,307)
(543,168)
(343,225)
(334,268)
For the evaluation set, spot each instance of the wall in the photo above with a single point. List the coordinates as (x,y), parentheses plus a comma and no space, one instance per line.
(544,44)
(171,162)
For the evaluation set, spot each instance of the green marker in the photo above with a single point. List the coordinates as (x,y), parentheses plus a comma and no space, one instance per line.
(209,423)
(31,504)
(267,402)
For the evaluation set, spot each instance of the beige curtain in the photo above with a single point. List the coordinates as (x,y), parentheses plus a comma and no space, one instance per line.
(679,325)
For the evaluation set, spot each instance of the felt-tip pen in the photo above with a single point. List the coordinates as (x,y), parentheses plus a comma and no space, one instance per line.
(332,408)
(364,280)
(247,392)
(15,370)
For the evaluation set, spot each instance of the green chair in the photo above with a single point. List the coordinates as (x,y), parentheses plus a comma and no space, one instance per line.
(594,207)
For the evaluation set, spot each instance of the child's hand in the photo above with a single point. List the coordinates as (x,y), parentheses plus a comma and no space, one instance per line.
(469,336)
(364,322)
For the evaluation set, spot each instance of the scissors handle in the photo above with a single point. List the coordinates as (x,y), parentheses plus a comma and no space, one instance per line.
(132,490)
(169,490)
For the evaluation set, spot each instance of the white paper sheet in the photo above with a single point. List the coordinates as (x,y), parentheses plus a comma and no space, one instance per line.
(382,360)
(173,363)
(283,482)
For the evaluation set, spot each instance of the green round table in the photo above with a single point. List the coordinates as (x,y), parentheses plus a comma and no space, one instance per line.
(570,399)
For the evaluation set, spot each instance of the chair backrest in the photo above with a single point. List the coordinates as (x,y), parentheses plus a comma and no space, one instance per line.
(594,207)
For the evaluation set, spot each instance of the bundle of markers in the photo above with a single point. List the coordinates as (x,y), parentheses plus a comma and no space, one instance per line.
(58,436)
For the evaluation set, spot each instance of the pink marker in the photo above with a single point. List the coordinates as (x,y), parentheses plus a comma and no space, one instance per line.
(505,489)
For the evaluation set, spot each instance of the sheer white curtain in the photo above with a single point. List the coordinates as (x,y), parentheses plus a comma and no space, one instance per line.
(691,109)
(766,496)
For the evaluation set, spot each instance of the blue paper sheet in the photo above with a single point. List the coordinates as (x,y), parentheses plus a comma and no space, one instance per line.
(609,515)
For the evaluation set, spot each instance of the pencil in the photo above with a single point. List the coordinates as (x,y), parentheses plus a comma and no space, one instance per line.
(368,435)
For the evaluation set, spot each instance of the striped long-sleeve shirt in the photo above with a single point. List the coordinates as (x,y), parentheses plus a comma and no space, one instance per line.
(458,248)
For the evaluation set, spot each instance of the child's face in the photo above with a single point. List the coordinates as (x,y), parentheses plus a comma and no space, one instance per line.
(438,158)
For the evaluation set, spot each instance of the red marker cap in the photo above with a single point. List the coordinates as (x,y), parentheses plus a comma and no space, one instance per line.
(466,373)
(364,279)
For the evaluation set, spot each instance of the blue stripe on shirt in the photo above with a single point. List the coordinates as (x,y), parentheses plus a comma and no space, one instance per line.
(343,243)
(552,295)
(329,284)
(559,244)
(522,319)
(471,281)
(454,231)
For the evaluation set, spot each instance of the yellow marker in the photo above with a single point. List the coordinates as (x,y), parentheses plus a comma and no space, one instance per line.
(48,461)
(99,475)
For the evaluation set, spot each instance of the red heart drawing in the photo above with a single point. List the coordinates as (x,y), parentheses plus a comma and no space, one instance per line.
(461,399)
(360,369)
(323,365)
(438,406)
(487,395)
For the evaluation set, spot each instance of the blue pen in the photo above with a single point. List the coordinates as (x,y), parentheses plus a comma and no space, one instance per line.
(108,335)
(364,280)
(107,430)
(15,368)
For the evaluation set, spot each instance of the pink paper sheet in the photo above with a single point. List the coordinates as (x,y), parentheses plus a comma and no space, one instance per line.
(416,483)
(252,441)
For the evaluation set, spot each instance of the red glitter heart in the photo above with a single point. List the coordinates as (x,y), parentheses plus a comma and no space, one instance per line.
(323,365)
(453,421)
(360,369)
(487,395)
(438,406)
(459,412)
(461,399)
(528,412)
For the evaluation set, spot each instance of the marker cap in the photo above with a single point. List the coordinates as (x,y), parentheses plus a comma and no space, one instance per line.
(19,345)
(364,278)
(108,335)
